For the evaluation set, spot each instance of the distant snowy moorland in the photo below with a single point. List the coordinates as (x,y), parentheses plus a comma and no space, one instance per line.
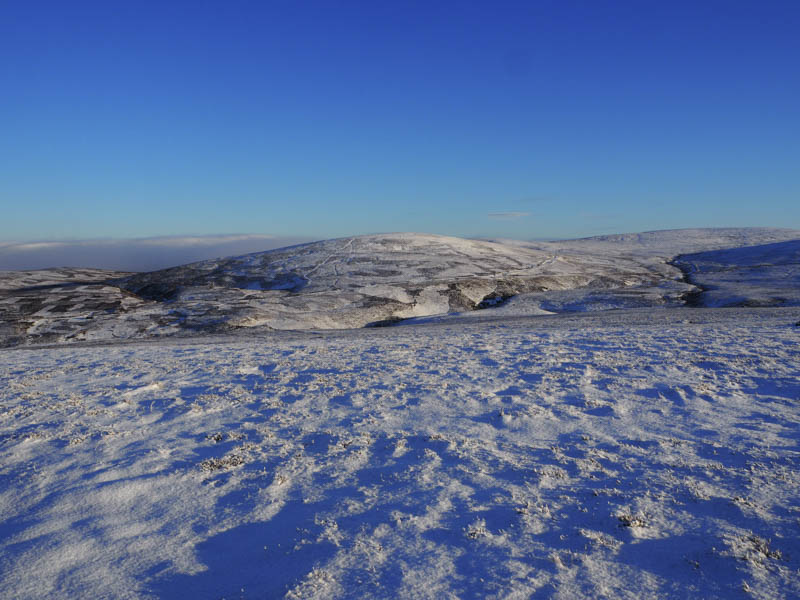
(384,279)
(409,416)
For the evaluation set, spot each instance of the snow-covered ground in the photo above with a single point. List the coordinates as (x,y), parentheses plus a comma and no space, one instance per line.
(589,435)
(641,453)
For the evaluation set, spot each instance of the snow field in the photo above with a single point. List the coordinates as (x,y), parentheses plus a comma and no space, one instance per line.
(577,457)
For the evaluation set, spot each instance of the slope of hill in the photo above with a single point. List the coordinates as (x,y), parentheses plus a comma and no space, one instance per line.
(765,275)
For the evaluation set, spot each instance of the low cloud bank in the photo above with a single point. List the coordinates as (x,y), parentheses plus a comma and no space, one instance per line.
(143,254)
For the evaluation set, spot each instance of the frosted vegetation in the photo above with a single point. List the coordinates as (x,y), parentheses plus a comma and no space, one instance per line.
(594,432)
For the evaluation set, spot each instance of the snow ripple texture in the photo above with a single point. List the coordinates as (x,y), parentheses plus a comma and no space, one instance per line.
(634,454)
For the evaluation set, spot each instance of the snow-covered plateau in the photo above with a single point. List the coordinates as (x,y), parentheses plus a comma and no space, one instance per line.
(620,419)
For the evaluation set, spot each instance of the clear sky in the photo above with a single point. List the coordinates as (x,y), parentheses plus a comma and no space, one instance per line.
(533,119)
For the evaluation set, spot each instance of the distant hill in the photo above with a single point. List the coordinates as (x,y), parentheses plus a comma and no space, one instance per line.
(366,280)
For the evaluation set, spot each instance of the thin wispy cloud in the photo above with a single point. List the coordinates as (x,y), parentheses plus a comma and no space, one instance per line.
(508,215)
(140,254)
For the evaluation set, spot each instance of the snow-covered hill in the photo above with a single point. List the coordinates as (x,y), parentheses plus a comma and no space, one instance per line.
(354,282)
(671,242)
(360,281)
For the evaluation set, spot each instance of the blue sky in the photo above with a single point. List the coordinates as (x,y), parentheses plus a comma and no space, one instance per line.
(325,119)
